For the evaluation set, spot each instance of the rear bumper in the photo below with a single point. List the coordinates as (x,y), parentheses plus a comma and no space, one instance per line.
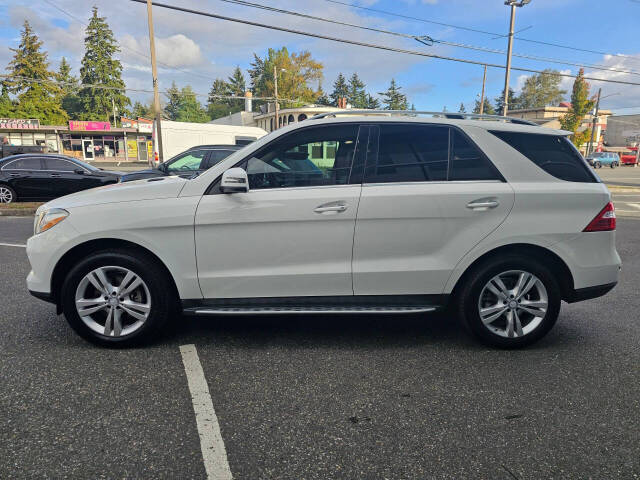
(588,293)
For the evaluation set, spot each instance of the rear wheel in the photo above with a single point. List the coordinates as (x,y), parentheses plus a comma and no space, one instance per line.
(116,298)
(510,303)
(7,194)
(597,165)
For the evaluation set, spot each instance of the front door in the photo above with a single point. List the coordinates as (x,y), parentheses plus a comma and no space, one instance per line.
(291,235)
(429,198)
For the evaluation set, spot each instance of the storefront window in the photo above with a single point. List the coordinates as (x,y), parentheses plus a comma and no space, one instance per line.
(15,138)
(27,139)
(98,147)
(109,147)
(52,142)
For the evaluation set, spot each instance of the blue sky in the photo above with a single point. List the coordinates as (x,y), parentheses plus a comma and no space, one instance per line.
(194,50)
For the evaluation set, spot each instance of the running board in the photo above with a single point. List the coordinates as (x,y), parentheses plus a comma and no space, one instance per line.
(308,309)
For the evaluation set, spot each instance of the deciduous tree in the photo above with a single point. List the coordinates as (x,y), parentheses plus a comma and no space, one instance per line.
(581,105)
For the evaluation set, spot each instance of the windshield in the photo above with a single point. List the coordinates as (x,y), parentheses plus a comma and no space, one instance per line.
(85,165)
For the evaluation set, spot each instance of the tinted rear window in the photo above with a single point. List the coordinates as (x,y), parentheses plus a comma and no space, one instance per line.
(554,154)
(29,163)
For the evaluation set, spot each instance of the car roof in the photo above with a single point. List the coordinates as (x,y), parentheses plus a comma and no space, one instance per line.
(226,147)
(499,125)
(30,155)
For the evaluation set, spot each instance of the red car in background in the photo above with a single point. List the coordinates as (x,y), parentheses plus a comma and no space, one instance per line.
(630,157)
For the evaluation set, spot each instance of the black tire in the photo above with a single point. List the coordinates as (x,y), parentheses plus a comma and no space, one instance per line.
(468,297)
(613,165)
(162,297)
(598,165)
(11,192)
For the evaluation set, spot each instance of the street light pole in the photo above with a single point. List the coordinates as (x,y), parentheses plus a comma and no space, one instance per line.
(154,74)
(513,4)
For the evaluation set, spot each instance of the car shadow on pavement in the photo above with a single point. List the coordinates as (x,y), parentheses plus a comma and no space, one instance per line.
(335,331)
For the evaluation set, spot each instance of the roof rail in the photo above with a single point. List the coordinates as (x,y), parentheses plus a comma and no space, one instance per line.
(413,113)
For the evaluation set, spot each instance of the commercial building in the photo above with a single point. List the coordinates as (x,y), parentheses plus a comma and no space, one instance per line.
(622,131)
(86,140)
(549,117)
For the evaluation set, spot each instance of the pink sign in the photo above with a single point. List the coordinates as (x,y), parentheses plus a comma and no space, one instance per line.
(85,125)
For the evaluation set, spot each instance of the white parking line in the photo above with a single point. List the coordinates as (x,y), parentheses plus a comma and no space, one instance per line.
(12,245)
(211,443)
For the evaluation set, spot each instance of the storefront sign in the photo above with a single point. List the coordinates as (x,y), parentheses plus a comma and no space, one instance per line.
(85,125)
(145,126)
(29,124)
(132,149)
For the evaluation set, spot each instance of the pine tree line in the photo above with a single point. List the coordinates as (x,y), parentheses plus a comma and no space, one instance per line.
(55,97)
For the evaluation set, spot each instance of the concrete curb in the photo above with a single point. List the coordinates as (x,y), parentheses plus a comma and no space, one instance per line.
(17,212)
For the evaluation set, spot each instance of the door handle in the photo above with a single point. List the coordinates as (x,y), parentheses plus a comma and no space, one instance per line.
(483,204)
(55,174)
(333,207)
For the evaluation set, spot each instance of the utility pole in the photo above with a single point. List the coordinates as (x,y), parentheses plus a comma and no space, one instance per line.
(113,105)
(154,73)
(275,89)
(595,122)
(484,82)
(513,4)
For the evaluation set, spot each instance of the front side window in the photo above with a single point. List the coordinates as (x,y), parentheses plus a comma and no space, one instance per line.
(552,153)
(216,156)
(60,165)
(410,153)
(32,163)
(310,157)
(188,162)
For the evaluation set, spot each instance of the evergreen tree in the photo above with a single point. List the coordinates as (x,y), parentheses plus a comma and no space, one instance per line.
(39,97)
(541,90)
(488,108)
(340,90)
(172,107)
(68,90)
(142,110)
(514,101)
(99,67)
(322,97)
(237,84)
(6,105)
(219,106)
(393,99)
(462,109)
(372,103)
(356,96)
(581,105)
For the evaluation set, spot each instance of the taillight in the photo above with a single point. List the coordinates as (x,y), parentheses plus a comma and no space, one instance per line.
(605,221)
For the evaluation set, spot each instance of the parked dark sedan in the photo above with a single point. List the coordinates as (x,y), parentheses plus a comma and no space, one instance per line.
(187,164)
(33,176)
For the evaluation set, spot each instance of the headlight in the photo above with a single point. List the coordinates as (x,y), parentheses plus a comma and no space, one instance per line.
(48,218)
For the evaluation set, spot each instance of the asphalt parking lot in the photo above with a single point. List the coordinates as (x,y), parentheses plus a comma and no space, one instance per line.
(318,397)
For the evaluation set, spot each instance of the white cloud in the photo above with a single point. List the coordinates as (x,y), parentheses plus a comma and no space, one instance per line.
(174,51)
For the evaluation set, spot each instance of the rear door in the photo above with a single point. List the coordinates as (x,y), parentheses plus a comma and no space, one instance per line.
(28,178)
(429,195)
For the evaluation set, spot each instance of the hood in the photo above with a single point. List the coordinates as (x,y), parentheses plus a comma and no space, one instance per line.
(150,189)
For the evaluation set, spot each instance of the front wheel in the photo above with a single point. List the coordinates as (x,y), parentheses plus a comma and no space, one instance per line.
(598,165)
(510,303)
(117,298)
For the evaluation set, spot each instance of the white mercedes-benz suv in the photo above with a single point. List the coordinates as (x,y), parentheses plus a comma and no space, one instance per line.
(493,220)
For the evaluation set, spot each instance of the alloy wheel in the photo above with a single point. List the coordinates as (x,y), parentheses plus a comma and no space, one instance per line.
(6,195)
(113,301)
(513,303)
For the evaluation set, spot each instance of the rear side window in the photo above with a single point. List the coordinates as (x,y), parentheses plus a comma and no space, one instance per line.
(554,154)
(408,153)
(467,162)
(32,163)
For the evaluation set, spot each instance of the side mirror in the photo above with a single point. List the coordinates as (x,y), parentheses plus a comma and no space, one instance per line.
(234,180)
(79,171)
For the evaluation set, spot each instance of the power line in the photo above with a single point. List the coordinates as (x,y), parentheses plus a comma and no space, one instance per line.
(484,32)
(425,38)
(369,45)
